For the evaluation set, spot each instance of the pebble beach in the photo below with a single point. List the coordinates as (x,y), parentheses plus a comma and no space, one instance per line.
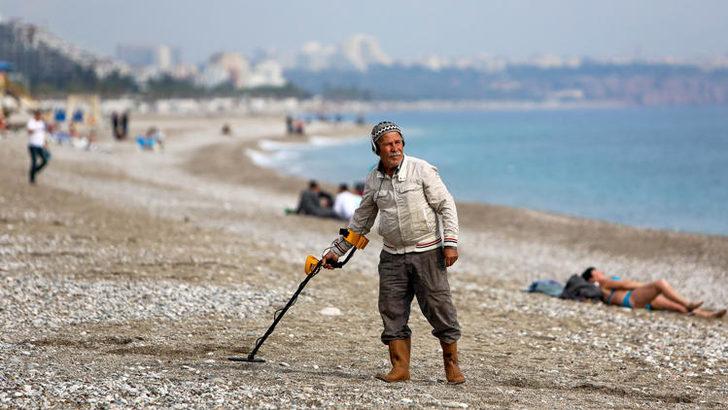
(128,278)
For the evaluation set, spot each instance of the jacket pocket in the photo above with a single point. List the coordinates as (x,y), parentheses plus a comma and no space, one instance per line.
(417,220)
(388,226)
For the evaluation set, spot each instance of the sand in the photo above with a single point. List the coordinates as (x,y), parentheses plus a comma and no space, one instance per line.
(129,277)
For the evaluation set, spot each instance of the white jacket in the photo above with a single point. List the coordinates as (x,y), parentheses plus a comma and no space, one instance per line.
(408,204)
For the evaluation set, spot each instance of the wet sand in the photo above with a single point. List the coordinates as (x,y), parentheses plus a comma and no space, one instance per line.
(129,277)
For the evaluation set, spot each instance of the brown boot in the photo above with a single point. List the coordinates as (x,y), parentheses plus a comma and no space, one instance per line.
(399,355)
(450,357)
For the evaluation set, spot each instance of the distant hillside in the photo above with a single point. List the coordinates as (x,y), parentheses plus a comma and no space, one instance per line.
(636,83)
(49,65)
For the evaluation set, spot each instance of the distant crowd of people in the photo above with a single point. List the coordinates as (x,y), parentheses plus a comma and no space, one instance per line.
(317,202)
(296,125)
(77,129)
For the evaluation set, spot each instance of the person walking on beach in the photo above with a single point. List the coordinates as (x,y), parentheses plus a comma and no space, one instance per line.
(124,125)
(115,129)
(37,144)
(408,195)
(657,295)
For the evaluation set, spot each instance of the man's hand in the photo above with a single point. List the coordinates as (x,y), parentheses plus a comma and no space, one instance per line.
(451,255)
(331,256)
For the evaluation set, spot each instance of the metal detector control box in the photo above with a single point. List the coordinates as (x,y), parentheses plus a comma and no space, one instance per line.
(359,241)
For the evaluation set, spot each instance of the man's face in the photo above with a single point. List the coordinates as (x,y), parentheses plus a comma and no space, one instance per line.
(391,149)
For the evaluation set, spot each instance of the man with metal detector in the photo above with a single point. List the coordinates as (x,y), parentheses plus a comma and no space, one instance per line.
(408,195)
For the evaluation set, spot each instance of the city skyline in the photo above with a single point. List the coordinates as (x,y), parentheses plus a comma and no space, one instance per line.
(406,30)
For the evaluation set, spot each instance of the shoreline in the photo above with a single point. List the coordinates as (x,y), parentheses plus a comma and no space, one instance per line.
(282,150)
(522,222)
(638,253)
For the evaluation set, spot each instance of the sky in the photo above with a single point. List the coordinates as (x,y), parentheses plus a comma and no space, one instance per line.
(406,29)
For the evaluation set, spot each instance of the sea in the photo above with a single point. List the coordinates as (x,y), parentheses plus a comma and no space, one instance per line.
(648,167)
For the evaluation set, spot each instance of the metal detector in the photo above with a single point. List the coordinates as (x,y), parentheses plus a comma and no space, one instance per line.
(311,267)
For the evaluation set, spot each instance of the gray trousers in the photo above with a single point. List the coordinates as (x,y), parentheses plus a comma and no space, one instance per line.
(421,274)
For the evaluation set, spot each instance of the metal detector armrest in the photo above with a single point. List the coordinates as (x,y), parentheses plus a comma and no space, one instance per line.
(358,241)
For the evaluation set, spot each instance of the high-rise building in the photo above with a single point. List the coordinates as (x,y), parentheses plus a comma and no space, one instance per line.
(363,50)
(162,57)
(267,73)
(315,56)
(359,52)
(237,67)
(135,56)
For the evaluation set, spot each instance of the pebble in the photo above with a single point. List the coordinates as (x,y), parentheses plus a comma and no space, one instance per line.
(454,404)
(330,311)
(37,305)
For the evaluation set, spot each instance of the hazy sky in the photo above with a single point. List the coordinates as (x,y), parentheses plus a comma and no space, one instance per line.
(406,29)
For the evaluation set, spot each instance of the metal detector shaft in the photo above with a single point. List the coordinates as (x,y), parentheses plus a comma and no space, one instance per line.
(291,301)
(272,327)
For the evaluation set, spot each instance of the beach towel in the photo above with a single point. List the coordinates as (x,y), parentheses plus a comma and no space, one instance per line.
(546,286)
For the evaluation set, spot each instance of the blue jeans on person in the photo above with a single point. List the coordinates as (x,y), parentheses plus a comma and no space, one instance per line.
(35,154)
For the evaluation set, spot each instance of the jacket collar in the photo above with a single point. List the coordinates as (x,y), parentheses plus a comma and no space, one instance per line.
(400,172)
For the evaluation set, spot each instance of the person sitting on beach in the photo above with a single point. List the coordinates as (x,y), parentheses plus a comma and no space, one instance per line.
(326,200)
(152,140)
(298,127)
(60,136)
(159,138)
(359,188)
(226,130)
(310,202)
(657,295)
(346,203)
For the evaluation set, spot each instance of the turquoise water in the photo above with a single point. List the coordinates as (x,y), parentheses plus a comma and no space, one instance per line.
(647,167)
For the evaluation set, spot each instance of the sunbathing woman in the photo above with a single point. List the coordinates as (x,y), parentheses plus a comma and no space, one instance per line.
(657,295)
